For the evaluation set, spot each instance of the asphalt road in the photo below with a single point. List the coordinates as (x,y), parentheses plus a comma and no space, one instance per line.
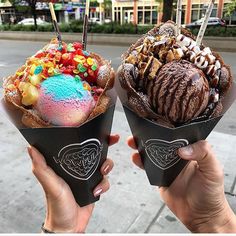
(14,53)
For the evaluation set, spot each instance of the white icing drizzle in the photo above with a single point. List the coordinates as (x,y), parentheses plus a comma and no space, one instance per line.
(201,62)
(203,59)
(214,95)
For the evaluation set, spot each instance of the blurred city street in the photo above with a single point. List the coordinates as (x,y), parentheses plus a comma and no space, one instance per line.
(131,205)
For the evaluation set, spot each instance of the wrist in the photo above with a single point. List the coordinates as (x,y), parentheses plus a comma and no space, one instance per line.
(223,221)
(53,227)
(228,224)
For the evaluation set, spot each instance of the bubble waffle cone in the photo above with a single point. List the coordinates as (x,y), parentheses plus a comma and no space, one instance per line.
(74,152)
(30,115)
(147,61)
(173,92)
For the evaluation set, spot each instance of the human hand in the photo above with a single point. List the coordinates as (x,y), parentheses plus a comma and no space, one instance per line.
(63,212)
(197,196)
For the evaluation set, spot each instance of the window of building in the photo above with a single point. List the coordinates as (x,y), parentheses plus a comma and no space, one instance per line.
(182,15)
(154,17)
(118,16)
(195,15)
(147,17)
(199,11)
(140,17)
(196,6)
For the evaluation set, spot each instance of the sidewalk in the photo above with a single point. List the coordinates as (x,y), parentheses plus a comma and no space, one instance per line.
(225,44)
(130,206)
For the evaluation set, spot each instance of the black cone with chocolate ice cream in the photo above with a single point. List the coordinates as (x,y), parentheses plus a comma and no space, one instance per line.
(152,69)
(173,93)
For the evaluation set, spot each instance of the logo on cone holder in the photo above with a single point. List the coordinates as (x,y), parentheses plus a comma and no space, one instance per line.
(80,160)
(163,153)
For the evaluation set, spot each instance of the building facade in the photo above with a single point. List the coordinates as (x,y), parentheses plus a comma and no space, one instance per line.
(142,12)
(149,11)
(195,9)
(65,10)
(123,11)
(7,12)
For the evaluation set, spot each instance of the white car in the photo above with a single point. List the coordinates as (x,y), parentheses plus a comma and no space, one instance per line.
(212,21)
(30,21)
(94,20)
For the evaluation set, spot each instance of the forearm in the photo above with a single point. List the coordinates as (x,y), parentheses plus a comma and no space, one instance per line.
(223,222)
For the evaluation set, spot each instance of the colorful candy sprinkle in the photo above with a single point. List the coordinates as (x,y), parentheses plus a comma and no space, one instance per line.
(79,59)
(87,86)
(90,61)
(51,71)
(70,47)
(77,78)
(38,70)
(32,69)
(81,68)
(86,53)
(35,79)
(94,67)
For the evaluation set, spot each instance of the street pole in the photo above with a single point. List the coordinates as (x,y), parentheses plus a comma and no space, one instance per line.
(135,12)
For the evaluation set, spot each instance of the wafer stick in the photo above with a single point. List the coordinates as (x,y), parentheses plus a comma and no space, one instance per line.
(54,21)
(204,23)
(178,16)
(85,26)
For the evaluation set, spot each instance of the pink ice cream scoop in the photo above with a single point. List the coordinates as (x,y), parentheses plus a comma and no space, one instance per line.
(64,100)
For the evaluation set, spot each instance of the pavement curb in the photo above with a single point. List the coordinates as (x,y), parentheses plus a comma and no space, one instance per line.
(226,44)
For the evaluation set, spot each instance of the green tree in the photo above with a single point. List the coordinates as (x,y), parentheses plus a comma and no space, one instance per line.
(230,9)
(32,6)
(107,5)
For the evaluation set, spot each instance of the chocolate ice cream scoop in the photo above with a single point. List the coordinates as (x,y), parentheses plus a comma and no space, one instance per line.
(169,76)
(179,92)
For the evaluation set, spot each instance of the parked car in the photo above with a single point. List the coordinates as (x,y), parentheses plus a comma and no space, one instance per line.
(107,20)
(30,21)
(214,21)
(94,20)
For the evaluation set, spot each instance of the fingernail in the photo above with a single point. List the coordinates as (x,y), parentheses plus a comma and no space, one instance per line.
(30,152)
(106,168)
(97,192)
(187,151)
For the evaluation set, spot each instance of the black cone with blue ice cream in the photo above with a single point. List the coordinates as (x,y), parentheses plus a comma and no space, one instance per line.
(76,154)
(62,102)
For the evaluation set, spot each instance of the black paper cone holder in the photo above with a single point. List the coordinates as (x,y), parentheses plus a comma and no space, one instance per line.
(74,153)
(158,145)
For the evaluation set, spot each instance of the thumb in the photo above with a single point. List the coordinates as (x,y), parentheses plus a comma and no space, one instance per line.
(50,182)
(202,152)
